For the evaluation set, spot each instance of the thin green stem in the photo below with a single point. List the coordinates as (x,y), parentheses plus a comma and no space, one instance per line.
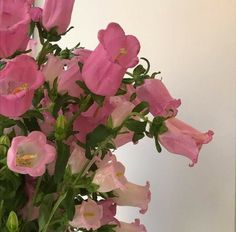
(37,189)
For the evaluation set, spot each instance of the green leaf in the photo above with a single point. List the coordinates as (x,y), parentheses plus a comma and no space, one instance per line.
(157,144)
(33,114)
(143,106)
(69,204)
(136,126)
(63,154)
(158,126)
(137,137)
(139,70)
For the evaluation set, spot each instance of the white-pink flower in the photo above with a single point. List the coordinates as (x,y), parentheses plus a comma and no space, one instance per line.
(30,154)
(131,227)
(134,195)
(110,176)
(88,215)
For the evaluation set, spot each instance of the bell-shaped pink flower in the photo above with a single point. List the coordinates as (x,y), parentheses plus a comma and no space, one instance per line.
(82,54)
(110,176)
(106,66)
(88,215)
(53,68)
(183,139)
(31,154)
(18,81)
(130,227)
(134,195)
(36,14)
(57,13)
(14,26)
(77,160)
(67,80)
(109,211)
(160,101)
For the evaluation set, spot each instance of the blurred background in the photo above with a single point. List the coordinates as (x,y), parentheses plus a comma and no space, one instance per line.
(193,44)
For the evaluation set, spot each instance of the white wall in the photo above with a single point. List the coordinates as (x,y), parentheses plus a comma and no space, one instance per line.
(193,43)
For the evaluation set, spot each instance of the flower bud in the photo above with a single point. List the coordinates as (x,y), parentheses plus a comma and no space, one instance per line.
(61,127)
(12,222)
(4,144)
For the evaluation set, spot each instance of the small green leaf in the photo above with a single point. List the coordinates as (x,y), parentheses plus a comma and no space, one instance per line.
(136,126)
(143,106)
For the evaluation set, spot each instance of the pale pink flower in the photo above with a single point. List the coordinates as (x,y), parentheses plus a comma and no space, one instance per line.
(67,80)
(57,13)
(14,26)
(31,154)
(77,160)
(183,139)
(156,94)
(106,66)
(18,81)
(88,215)
(133,195)
(130,227)
(110,176)
(53,68)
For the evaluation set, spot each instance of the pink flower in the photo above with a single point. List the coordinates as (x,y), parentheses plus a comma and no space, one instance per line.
(183,139)
(134,195)
(82,54)
(18,81)
(156,94)
(14,26)
(131,227)
(36,14)
(53,68)
(31,154)
(109,211)
(67,80)
(88,215)
(57,13)
(77,160)
(104,69)
(110,176)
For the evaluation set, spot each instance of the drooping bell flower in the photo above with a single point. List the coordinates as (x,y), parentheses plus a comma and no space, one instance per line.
(110,176)
(57,13)
(67,80)
(183,139)
(130,227)
(160,101)
(30,154)
(82,54)
(109,211)
(134,195)
(106,66)
(88,215)
(14,26)
(18,81)
(77,160)
(53,68)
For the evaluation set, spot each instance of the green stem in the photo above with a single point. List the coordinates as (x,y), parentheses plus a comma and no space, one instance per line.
(55,207)
(37,189)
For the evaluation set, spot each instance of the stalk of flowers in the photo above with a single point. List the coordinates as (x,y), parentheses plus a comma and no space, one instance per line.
(64,113)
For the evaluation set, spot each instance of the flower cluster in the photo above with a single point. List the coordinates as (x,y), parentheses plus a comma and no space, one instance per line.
(63,114)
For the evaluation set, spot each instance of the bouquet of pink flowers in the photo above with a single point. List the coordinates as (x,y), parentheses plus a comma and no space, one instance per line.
(64,113)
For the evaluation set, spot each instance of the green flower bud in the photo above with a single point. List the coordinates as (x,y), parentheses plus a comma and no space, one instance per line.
(12,222)
(61,127)
(4,144)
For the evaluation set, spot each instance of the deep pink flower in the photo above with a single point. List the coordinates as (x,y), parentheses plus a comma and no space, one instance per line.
(14,26)
(87,215)
(183,139)
(104,69)
(134,195)
(156,94)
(109,211)
(18,81)
(131,227)
(67,80)
(36,14)
(57,13)
(31,154)
(110,176)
